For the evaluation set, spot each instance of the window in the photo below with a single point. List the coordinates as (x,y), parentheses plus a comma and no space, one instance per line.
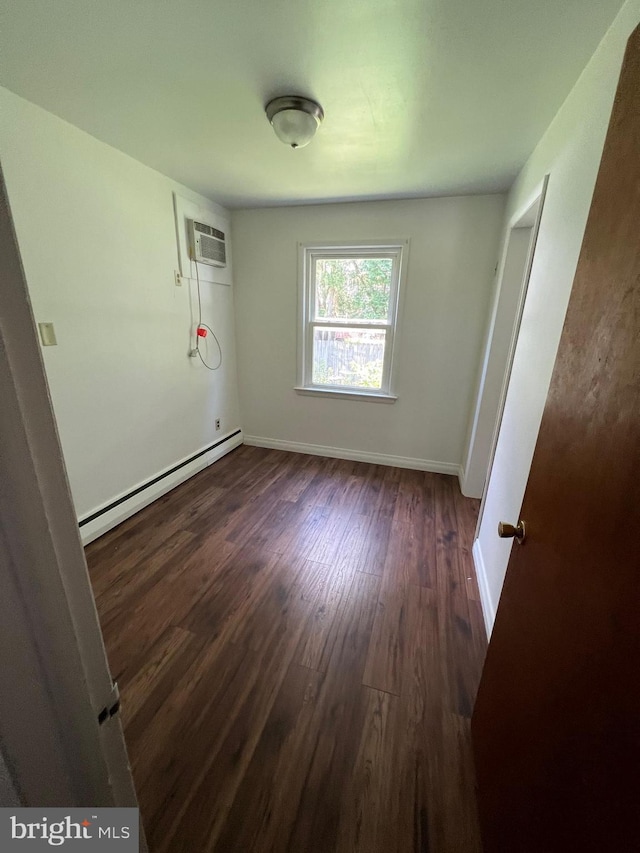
(349,306)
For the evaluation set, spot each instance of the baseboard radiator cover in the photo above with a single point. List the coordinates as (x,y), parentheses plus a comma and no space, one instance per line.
(118,509)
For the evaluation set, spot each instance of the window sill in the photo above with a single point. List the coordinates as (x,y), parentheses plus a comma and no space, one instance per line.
(374,397)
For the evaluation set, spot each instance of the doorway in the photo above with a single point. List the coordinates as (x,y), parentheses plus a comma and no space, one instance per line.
(518,260)
(517,263)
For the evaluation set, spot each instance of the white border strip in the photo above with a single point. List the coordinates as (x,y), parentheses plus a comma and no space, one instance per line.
(118,514)
(355,455)
(488,609)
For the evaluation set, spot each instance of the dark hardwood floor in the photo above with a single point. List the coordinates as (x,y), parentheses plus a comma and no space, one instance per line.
(298,643)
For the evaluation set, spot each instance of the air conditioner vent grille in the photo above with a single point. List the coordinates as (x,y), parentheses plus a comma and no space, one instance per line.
(208,229)
(207,244)
(212,249)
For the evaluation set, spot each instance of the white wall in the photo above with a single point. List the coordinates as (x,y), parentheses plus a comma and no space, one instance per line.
(452,258)
(97,236)
(570,151)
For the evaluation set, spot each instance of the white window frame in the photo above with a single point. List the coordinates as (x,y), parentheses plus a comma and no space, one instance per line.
(309,253)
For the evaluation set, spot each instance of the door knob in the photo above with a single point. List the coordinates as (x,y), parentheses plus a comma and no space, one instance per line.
(508,531)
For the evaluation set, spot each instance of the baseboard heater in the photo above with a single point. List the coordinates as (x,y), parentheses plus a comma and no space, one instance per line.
(155,480)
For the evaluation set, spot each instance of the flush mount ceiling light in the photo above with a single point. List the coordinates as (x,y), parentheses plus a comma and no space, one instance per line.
(294,119)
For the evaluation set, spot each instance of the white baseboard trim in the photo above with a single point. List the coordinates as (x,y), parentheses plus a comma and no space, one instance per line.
(468,488)
(355,455)
(488,608)
(108,518)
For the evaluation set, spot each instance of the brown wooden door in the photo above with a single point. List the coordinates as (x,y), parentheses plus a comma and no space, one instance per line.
(556,726)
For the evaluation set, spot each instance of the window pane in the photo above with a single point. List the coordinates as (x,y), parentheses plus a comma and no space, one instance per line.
(348,357)
(353,288)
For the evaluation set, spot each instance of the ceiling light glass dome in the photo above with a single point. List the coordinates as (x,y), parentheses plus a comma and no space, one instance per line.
(294,119)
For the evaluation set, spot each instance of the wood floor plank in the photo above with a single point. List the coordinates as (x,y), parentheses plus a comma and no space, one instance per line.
(374,492)
(457,811)
(325,484)
(383,670)
(419,726)
(279,526)
(287,600)
(339,490)
(320,631)
(120,592)
(151,683)
(172,597)
(236,584)
(241,465)
(457,633)
(153,667)
(306,471)
(211,794)
(365,542)
(273,783)
(429,531)
(410,499)
(366,822)
(326,545)
(298,641)
(404,572)
(170,758)
(337,723)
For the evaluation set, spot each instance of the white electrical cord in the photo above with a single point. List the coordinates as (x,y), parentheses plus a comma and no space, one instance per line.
(204,326)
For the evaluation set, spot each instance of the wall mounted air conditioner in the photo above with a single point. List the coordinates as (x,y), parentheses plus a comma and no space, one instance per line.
(206,244)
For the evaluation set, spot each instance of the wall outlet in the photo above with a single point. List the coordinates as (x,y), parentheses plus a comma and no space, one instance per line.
(217,423)
(178,278)
(47,334)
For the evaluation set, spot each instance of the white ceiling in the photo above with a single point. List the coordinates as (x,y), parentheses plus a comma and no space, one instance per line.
(422,97)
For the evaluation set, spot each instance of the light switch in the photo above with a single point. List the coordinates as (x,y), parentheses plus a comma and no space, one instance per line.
(47,335)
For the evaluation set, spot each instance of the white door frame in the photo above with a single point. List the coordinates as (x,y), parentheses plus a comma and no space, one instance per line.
(498,351)
(54,676)
(522,218)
